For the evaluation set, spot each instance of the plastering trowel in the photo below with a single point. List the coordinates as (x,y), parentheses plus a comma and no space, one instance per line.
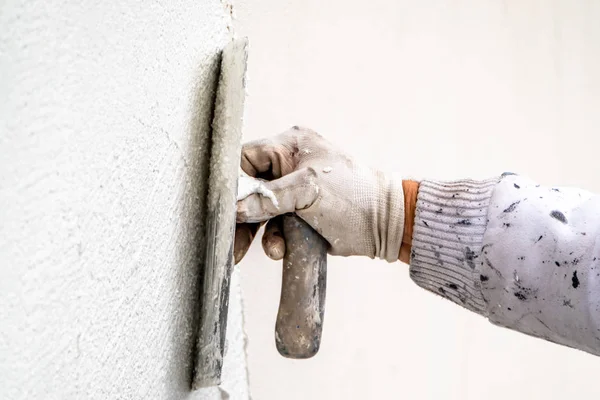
(300,317)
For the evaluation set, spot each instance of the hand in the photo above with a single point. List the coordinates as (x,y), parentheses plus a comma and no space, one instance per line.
(357,209)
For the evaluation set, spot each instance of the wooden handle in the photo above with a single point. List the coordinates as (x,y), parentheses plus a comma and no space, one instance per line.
(302,305)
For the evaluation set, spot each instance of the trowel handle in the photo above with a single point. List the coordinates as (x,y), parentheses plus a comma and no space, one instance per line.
(302,305)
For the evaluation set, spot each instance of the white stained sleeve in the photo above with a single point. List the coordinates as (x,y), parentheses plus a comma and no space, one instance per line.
(525,256)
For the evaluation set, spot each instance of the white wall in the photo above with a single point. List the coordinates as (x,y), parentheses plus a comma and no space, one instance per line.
(104,112)
(434,89)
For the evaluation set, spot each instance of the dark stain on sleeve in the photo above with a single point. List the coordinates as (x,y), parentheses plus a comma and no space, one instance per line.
(557,215)
(520,296)
(557,263)
(575,280)
(506,225)
(516,186)
(484,278)
(452,286)
(439,211)
(523,292)
(567,303)
(491,266)
(464,222)
(470,257)
(512,207)
(426,224)
(543,323)
(540,238)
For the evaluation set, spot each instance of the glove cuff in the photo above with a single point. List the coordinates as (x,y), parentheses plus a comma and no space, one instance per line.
(391,216)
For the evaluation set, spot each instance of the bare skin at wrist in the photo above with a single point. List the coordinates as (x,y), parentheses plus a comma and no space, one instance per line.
(410,188)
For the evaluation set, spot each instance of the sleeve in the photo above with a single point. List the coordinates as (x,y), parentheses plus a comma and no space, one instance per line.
(525,256)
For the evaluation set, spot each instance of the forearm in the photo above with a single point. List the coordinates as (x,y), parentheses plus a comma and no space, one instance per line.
(411,189)
(522,255)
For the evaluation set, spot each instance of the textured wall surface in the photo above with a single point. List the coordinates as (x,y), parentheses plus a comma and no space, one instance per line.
(438,89)
(104,114)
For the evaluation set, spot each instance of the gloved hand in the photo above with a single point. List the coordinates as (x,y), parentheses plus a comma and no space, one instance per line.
(357,209)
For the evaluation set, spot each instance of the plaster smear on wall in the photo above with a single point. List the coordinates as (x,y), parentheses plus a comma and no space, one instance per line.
(104,117)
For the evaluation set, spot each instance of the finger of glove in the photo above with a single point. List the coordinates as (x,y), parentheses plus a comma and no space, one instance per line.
(272,241)
(268,158)
(292,192)
(244,235)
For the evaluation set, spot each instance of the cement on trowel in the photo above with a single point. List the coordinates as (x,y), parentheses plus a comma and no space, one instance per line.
(221,205)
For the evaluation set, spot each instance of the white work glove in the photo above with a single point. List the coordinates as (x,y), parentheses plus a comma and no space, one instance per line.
(357,209)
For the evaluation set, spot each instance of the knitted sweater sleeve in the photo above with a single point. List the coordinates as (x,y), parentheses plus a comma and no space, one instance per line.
(525,256)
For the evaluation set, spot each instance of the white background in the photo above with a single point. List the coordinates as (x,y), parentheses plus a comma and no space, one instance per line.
(433,89)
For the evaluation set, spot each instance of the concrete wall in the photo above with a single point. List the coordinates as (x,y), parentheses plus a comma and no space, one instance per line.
(104,114)
(411,86)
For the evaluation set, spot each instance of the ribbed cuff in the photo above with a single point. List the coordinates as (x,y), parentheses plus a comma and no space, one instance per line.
(450,220)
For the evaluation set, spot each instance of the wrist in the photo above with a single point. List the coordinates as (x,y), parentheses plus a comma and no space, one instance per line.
(410,189)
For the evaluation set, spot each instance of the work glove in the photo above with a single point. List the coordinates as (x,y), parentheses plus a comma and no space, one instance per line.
(357,209)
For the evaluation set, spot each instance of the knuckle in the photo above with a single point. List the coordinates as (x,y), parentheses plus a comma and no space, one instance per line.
(311,174)
(303,132)
(241,215)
